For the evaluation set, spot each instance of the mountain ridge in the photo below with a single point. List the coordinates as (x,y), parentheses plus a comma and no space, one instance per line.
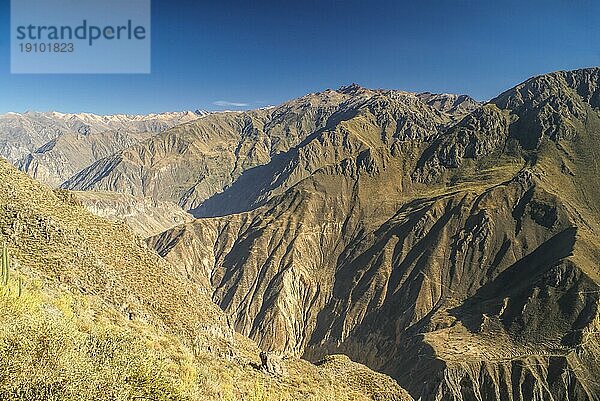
(50,145)
(378,249)
(450,244)
(261,135)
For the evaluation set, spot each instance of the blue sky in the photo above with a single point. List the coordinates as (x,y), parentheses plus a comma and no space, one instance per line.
(234,55)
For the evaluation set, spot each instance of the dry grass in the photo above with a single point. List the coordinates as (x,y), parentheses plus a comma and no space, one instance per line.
(48,353)
(49,350)
(56,346)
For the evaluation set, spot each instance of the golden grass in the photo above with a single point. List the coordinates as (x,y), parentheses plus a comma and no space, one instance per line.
(60,346)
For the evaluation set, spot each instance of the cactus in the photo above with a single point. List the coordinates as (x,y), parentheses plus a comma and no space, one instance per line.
(5,265)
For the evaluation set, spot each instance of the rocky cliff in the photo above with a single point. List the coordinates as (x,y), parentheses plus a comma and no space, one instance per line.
(145,216)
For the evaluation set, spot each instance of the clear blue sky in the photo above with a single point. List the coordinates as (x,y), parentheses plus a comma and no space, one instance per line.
(265,52)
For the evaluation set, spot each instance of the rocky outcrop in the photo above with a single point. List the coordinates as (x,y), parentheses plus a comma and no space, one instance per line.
(271,363)
(482,133)
(552,106)
(456,105)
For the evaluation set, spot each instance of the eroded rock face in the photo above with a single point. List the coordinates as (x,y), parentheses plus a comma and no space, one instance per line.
(56,161)
(459,257)
(117,294)
(145,216)
(551,106)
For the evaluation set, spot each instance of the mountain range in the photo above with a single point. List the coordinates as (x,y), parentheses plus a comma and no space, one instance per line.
(449,244)
(52,146)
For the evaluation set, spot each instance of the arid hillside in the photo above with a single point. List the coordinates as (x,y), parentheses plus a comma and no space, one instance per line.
(88,311)
(450,245)
(459,255)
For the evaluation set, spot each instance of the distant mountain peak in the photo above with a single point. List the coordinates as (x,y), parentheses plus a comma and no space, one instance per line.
(351,89)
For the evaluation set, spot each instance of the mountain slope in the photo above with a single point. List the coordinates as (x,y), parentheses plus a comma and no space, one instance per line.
(204,158)
(56,161)
(89,312)
(145,216)
(458,255)
(24,133)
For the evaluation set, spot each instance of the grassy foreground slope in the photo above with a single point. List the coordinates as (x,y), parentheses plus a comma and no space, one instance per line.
(99,316)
